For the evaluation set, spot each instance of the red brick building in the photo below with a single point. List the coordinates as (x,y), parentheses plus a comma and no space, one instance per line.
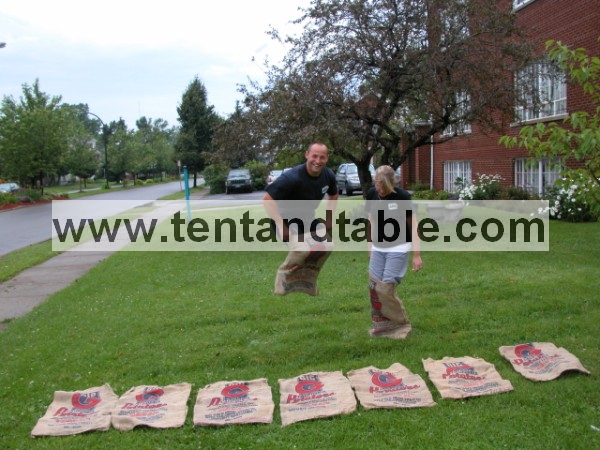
(575,23)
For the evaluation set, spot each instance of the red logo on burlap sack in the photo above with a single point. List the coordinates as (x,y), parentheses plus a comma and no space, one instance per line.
(150,395)
(235,390)
(85,401)
(385,379)
(308,387)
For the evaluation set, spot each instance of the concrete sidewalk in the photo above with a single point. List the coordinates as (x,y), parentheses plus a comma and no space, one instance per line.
(21,294)
(28,289)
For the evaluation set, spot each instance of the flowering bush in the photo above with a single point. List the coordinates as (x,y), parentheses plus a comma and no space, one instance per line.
(485,187)
(574,200)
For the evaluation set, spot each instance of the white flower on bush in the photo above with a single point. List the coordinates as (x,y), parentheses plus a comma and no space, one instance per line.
(482,184)
(571,202)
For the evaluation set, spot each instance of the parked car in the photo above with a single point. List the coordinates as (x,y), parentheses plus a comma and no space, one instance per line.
(238,180)
(273,175)
(347,179)
(9,187)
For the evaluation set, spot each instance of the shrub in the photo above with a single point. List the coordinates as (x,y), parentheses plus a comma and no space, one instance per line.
(259,172)
(32,194)
(485,187)
(419,186)
(7,198)
(573,200)
(431,195)
(215,176)
(515,193)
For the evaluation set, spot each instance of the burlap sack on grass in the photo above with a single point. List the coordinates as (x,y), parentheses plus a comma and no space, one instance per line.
(394,387)
(315,395)
(541,361)
(152,406)
(77,412)
(465,377)
(300,270)
(234,402)
(388,316)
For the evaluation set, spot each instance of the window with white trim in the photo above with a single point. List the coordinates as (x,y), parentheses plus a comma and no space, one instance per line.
(463,104)
(536,176)
(457,174)
(541,91)
(520,3)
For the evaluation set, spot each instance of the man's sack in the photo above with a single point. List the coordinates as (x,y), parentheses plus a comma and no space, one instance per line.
(152,406)
(541,361)
(394,387)
(301,268)
(234,402)
(465,377)
(77,412)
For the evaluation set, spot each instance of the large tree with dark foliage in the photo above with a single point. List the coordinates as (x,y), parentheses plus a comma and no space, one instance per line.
(386,76)
(198,121)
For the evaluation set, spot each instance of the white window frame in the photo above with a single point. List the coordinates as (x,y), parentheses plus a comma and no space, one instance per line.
(518,4)
(527,174)
(463,104)
(454,170)
(544,80)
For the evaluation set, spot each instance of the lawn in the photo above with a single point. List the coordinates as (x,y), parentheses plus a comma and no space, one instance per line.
(163,318)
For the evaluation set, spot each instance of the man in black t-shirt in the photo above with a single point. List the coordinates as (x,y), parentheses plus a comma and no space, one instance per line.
(291,201)
(297,193)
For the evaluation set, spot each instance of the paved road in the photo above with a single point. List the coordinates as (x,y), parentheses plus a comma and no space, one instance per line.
(24,292)
(22,227)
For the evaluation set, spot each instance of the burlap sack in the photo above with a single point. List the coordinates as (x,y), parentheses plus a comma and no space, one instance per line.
(387,311)
(77,412)
(541,361)
(394,387)
(152,406)
(234,402)
(315,395)
(465,377)
(301,268)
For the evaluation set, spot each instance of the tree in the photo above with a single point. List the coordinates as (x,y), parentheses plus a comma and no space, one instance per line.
(236,141)
(124,151)
(385,77)
(80,158)
(157,155)
(576,141)
(34,134)
(198,121)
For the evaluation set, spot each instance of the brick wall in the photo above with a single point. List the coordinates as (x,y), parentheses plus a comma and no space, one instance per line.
(577,24)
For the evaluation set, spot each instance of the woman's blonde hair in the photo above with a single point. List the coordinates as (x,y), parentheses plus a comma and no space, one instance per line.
(385,176)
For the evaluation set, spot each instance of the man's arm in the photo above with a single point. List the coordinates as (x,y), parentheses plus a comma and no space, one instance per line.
(331,206)
(270,205)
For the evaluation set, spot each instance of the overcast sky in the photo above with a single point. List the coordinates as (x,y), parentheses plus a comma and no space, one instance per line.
(132,58)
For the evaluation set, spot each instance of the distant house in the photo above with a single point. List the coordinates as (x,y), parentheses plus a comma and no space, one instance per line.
(575,23)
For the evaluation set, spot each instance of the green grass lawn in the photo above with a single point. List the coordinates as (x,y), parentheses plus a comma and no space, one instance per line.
(162,318)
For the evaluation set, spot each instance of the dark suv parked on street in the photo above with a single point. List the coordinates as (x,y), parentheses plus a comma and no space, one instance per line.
(238,180)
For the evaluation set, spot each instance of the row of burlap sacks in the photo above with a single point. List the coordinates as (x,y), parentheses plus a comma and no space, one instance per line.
(308,396)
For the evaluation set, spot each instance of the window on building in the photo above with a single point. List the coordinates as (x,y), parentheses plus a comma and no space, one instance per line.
(463,104)
(520,3)
(542,92)
(535,177)
(457,174)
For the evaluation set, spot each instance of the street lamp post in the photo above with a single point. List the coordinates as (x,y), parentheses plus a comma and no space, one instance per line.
(105,136)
